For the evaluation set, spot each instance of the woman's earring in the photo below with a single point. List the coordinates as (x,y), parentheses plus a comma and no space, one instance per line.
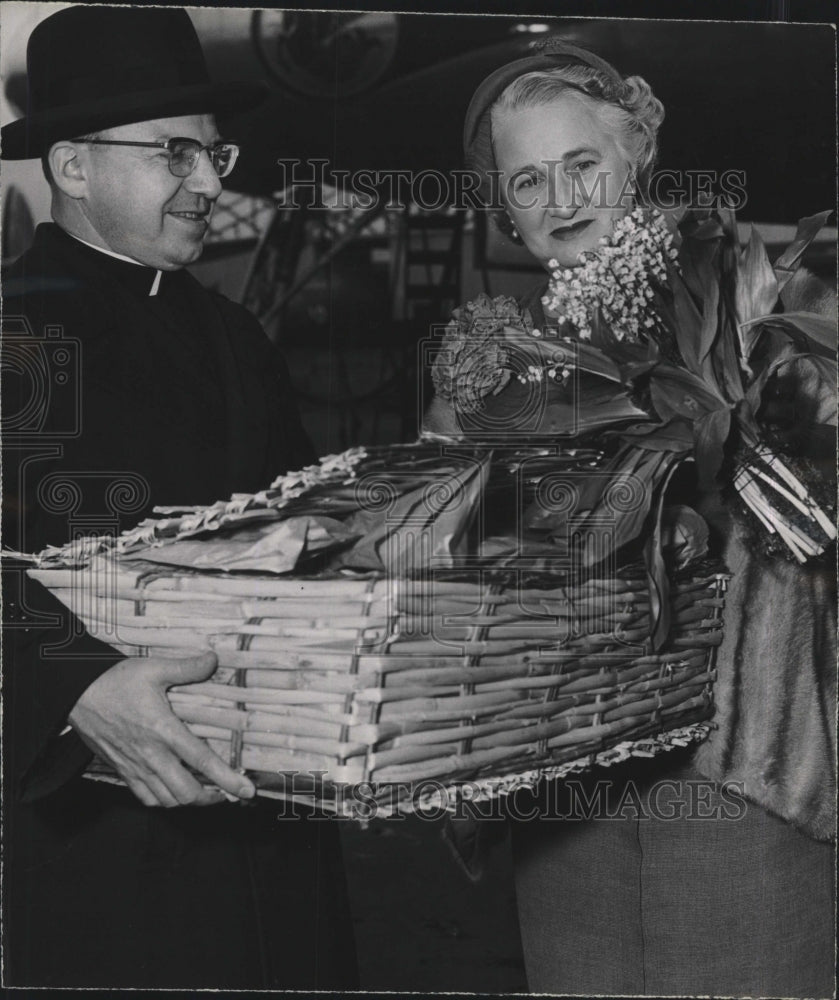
(514,233)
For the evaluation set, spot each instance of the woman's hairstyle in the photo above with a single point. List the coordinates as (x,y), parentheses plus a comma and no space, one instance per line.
(627,108)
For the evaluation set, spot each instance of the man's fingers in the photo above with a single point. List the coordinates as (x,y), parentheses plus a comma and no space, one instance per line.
(148,789)
(186,669)
(190,792)
(157,787)
(140,790)
(180,785)
(126,717)
(161,777)
(201,758)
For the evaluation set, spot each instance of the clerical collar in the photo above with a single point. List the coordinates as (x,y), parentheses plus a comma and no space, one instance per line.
(155,282)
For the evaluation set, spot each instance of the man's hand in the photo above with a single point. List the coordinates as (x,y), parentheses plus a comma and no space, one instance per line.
(125,717)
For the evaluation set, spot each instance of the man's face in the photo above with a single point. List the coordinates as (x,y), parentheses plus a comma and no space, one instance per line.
(137,207)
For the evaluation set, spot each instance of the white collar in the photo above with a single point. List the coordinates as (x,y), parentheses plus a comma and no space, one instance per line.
(119,256)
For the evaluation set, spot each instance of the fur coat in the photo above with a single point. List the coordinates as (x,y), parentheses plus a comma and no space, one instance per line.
(776,669)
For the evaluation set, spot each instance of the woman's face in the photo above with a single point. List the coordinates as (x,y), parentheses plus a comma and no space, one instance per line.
(565,182)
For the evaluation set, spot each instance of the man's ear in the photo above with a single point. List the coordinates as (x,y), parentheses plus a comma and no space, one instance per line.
(68,168)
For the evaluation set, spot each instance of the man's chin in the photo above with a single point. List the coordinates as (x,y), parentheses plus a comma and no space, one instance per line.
(182,257)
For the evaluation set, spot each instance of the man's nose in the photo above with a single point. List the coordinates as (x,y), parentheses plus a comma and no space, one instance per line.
(204,179)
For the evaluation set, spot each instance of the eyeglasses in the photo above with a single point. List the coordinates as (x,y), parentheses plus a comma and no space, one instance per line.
(184,153)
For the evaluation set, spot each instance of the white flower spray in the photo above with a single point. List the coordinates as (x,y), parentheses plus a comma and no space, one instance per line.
(616,278)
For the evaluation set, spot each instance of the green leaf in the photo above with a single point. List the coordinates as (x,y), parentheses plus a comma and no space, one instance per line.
(755,284)
(627,499)
(788,263)
(710,432)
(526,348)
(728,219)
(673,435)
(678,393)
(710,319)
(687,322)
(633,371)
(673,218)
(659,588)
(819,331)
(657,578)
(709,229)
(589,359)
(574,418)
(725,363)
(697,263)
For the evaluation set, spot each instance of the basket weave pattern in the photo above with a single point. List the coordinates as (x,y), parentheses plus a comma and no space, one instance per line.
(374,679)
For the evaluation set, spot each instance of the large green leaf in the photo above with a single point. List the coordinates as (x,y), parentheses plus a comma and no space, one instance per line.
(700,261)
(819,331)
(679,393)
(787,264)
(673,435)
(711,432)
(657,577)
(674,218)
(687,322)
(708,229)
(634,370)
(755,284)
(697,262)
(572,418)
(589,359)
(710,318)
(626,502)
(728,221)
(725,363)
(527,349)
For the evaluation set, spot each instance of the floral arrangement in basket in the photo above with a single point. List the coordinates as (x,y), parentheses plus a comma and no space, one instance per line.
(663,341)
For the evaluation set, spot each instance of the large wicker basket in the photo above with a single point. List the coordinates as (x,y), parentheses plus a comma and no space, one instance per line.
(407,683)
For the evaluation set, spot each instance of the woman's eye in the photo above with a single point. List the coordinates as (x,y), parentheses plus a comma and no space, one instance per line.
(525,181)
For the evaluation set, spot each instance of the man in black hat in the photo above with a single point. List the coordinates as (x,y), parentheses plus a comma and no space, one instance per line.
(158,392)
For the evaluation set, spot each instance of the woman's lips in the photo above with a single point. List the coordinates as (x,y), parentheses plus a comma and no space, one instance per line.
(564,233)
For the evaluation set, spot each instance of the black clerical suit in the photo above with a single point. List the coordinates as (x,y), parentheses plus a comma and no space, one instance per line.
(126,388)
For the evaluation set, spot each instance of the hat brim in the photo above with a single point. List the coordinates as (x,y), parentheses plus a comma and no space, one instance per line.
(32,136)
(554,54)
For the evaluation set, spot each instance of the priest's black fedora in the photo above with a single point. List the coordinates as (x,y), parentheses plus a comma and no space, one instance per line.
(96,67)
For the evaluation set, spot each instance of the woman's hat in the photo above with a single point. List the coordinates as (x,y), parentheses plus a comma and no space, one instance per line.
(553,53)
(92,68)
